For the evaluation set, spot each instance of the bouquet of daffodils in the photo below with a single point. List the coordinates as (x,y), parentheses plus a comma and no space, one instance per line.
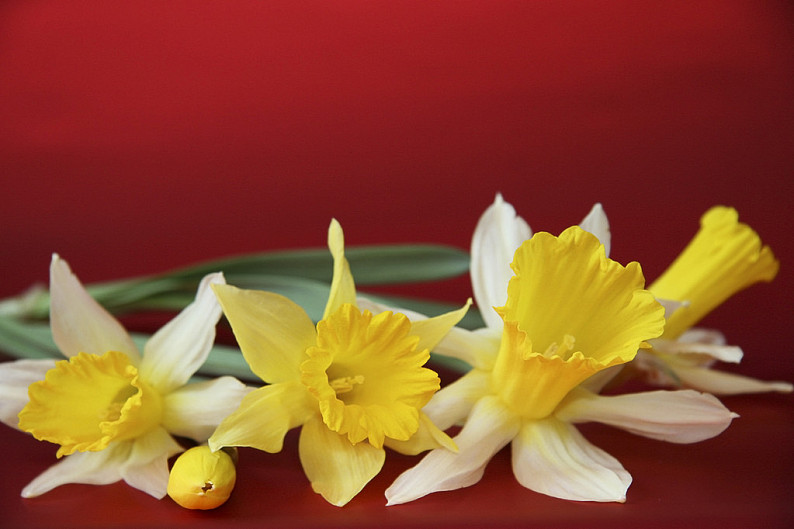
(557,329)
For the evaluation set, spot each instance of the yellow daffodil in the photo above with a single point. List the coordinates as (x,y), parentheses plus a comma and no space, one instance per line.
(112,410)
(354,383)
(724,257)
(202,479)
(570,313)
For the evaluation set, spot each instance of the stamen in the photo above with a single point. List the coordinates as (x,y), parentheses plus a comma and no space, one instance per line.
(345,384)
(563,350)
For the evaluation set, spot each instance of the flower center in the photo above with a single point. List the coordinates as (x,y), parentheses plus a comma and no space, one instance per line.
(563,350)
(87,402)
(345,384)
(533,384)
(367,375)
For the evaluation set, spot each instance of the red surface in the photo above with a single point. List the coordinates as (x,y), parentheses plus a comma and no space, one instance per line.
(135,137)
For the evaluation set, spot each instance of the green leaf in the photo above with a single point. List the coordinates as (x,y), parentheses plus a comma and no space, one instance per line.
(301,275)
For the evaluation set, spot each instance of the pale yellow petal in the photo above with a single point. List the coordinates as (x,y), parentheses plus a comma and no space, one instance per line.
(272,331)
(343,289)
(264,417)
(427,437)
(337,469)
(432,330)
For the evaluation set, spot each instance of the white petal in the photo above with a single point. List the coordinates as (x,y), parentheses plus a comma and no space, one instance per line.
(179,348)
(453,403)
(670,306)
(724,353)
(553,458)
(151,478)
(489,428)
(195,410)
(146,468)
(496,238)
(699,341)
(597,382)
(78,322)
(684,416)
(596,223)
(93,468)
(477,348)
(15,377)
(722,383)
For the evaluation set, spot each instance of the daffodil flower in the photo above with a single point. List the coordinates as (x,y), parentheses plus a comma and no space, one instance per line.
(724,257)
(354,384)
(112,410)
(570,313)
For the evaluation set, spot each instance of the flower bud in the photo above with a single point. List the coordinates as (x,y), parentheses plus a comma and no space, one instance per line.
(202,479)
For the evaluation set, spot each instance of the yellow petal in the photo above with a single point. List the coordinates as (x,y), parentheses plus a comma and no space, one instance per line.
(264,417)
(343,289)
(337,469)
(88,401)
(202,479)
(724,257)
(272,331)
(432,330)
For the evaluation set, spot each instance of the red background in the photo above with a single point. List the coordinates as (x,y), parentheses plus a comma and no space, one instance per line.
(139,136)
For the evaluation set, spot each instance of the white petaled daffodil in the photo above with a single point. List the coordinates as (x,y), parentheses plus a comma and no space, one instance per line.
(570,313)
(355,383)
(111,409)
(724,257)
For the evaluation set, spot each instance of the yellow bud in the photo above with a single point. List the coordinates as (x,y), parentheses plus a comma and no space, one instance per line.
(201,478)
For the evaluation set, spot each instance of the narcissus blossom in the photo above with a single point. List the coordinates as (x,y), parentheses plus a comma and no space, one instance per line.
(724,257)
(112,410)
(570,313)
(355,383)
